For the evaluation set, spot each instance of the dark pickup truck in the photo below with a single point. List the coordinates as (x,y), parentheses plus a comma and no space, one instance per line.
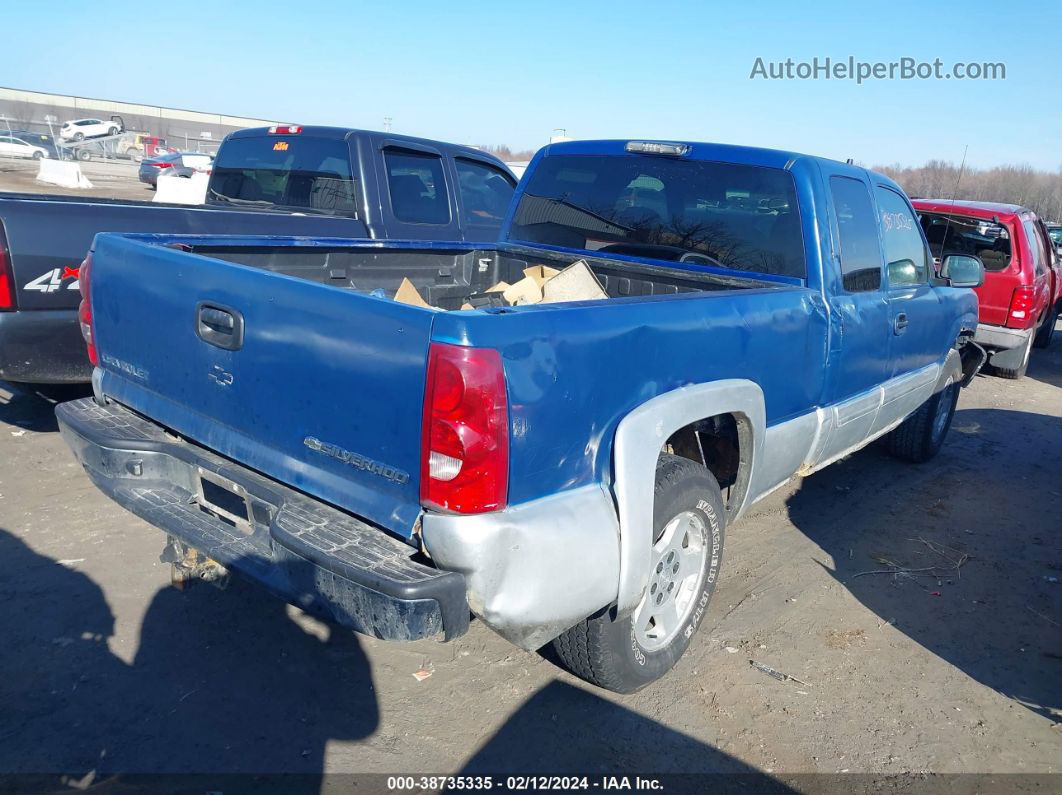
(319,182)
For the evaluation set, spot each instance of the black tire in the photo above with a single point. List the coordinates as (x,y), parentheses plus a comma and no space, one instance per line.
(920,436)
(1014,373)
(79,136)
(1047,330)
(605,650)
(112,131)
(37,155)
(84,155)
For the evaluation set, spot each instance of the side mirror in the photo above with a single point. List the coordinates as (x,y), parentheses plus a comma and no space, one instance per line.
(903,271)
(962,270)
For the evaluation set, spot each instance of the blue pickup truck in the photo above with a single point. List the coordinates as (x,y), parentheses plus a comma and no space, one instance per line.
(282,180)
(563,471)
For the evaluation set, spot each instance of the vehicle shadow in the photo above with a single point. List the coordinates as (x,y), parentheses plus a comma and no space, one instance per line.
(566,730)
(986,517)
(222,683)
(1045,365)
(32,406)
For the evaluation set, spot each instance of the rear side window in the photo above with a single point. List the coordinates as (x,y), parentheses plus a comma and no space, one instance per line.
(957,234)
(1036,248)
(905,253)
(290,172)
(417,186)
(485,190)
(860,251)
(698,212)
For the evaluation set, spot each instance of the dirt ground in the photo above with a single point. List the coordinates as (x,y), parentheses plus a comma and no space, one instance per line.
(115,179)
(106,667)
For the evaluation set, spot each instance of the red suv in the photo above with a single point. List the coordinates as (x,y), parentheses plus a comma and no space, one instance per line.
(1019,301)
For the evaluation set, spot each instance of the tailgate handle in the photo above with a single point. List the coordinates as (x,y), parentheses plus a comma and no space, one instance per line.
(219,326)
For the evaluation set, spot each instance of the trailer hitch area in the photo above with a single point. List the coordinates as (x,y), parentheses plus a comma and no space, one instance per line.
(188,565)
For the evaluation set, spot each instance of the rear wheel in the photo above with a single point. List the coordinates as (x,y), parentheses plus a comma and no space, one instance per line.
(37,155)
(626,654)
(112,131)
(1047,330)
(920,436)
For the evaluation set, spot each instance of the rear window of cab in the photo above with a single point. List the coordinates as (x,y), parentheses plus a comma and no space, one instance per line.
(290,172)
(689,211)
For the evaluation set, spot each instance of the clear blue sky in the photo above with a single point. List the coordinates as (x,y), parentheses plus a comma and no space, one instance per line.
(495,72)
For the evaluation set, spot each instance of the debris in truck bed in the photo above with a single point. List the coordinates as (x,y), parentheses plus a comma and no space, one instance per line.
(541,285)
(407,294)
(575,283)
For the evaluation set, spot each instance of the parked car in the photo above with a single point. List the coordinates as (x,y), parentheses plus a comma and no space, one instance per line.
(45,142)
(11,146)
(1019,301)
(313,181)
(80,129)
(1055,231)
(563,470)
(180,164)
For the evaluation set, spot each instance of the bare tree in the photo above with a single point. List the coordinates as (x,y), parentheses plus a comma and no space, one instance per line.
(1040,191)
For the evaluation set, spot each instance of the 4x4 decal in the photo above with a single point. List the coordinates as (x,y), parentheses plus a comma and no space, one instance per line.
(53,280)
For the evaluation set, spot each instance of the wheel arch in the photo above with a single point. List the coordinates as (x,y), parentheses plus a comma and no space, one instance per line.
(641,436)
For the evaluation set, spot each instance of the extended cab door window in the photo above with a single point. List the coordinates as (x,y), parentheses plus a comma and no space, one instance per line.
(905,250)
(858,235)
(417,185)
(918,325)
(485,194)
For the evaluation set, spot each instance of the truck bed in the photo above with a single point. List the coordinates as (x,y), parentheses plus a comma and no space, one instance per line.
(445,275)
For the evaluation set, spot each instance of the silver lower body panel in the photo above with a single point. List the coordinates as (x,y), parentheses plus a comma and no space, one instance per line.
(535,569)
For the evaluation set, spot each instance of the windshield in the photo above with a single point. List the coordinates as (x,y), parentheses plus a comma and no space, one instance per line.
(734,216)
(957,234)
(293,172)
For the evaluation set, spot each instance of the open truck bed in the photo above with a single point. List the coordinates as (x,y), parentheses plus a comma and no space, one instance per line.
(446,274)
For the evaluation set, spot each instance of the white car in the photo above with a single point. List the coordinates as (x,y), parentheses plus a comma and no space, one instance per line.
(16,147)
(80,129)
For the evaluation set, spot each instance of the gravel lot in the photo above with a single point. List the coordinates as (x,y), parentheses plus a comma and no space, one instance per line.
(106,667)
(115,179)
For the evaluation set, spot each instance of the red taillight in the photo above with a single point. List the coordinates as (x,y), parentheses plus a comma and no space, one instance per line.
(465,442)
(84,310)
(289,129)
(7,278)
(162,165)
(1021,303)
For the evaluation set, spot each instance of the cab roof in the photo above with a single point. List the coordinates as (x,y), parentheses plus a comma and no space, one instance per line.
(340,133)
(723,153)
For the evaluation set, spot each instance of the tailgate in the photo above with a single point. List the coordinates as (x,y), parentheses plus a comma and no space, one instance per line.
(324,392)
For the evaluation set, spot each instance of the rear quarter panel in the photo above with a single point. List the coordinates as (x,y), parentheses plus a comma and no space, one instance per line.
(575,370)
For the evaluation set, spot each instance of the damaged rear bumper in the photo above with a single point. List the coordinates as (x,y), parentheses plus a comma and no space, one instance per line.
(312,555)
(535,569)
